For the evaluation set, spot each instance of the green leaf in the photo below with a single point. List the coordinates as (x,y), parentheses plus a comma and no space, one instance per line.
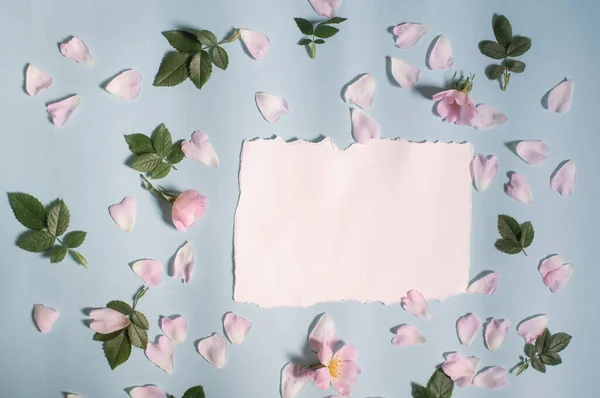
(161,140)
(508,228)
(304,42)
(538,365)
(139,143)
(106,337)
(28,210)
(58,254)
(325,31)
(440,385)
(120,306)
(558,342)
(200,68)
(176,155)
(518,46)
(508,246)
(206,37)
(494,72)
(529,350)
(117,350)
(492,49)
(161,171)
(502,30)
(422,392)
(527,234)
(140,320)
(137,336)
(514,66)
(304,25)
(320,41)
(523,368)
(551,359)
(194,392)
(79,258)
(146,161)
(182,41)
(36,241)
(334,20)
(58,218)
(219,57)
(172,70)
(74,239)
(542,343)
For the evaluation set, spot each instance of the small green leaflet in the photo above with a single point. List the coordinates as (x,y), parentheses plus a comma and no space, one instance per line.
(508,228)
(492,49)
(422,392)
(120,306)
(529,350)
(515,66)
(538,365)
(440,385)
(161,141)
(172,70)
(139,143)
(195,392)
(494,72)
(323,30)
(161,171)
(117,350)
(304,42)
(28,210)
(58,218)
(515,238)
(74,239)
(183,41)
(502,30)
(137,336)
(146,162)
(176,154)
(58,254)
(200,68)
(79,258)
(140,320)
(304,25)
(155,155)
(106,337)
(551,359)
(36,241)
(518,46)
(207,38)
(219,57)
(558,342)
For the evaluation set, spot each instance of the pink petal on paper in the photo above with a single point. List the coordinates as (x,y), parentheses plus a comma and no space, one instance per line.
(484,170)
(563,180)
(200,149)
(293,379)
(441,55)
(271,107)
(407,335)
(405,74)
(325,8)
(44,317)
(107,320)
(415,303)
(123,214)
(467,327)
(183,265)
(460,368)
(323,334)
(486,284)
(557,279)
(409,34)
(518,188)
(364,127)
(126,85)
(236,327)
(150,271)
(561,97)
(76,49)
(361,92)
(530,329)
(61,111)
(36,80)
(175,329)
(495,333)
(214,350)
(256,43)
(492,378)
(161,354)
(147,392)
(487,118)
(533,152)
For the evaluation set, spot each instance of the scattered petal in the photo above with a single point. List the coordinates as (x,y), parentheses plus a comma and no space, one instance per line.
(518,188)
(549,264)
(150,271)
(409,34)
(405,74)
(467,327)
(214,350)
(107,320)
(76,49)
(554,273)
(36,80)
(533,152)
(487,118)
(189,206)
(123,214)
(441,55)
(126,85)
(200,149)
(175,329)
(44,317)
(361,92)
(495,333)
(364,127)
(236,327)
(532,328)
(492,378)
(323,334)
(271,106)
(415,303)
(161,354)
(147,392)
(561,97)
(460,368)
(487,284)
(256,43)
(61,111)
(183,265)
(484,170)
(407,335)
(79,396)
(293,379)
(563,180)
(325,8)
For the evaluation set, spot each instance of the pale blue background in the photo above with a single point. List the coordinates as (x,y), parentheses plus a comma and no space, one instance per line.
(83,162)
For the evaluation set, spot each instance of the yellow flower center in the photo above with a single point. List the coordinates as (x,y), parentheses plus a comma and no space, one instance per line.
(335,367)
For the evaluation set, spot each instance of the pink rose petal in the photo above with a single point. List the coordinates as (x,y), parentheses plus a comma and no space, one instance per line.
(554,273)
(189,206)
(492,378)
(36,80)
(123,214)
(44,317)
(441,55)
(214,350)
(409,34)
(236,327)
(364,127)
(126,85)
(271,107)
(563,180)
(323,334)
(533,152)
(76,49)
(460,368)
(256,43)
(73,396)
(150,271)
(487,118)
(147,392)
(293,379)
(530,329)
(325,8)
(183,265)
(561,97)
(175,329)
(405,74)
(518,188)
(61,111)
(407,335)
(495,333)
(415,303)
(161,354)
(486,284)
(484,170)
(467,327)
(361,92)
(107,320)
(200,149)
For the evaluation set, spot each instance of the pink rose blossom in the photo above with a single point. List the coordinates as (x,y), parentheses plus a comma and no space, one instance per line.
(455,106)
(187,208)
(340,369)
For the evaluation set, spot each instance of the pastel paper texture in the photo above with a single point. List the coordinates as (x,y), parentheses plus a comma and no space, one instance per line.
(314,225)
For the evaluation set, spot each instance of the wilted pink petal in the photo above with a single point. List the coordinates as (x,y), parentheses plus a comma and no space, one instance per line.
(563,181)
(460,368)
(532,328)
(364,127)
(484,170)
(183,265)
(561,97)
(44,317)
(272,107)
(214,350)
(407,335)
(107,320)
(189,206)
(405,74)
(36,80)
(487,118)
(467,327)
(126,85)
(236,327)
(557,279)
(200,149)
(147,392)
(415,303)
(161,354)
(441,55)
(549,264)
(492,378)
(455,106)
(409,34)
(361,92)
(76,49)
(495,333)
(323,334)
(487,284)
(325,8)
(518,188)
(61,111)
(150,271)
(256,43)
(293,379)
(123,214)
(533,152)
(175,329)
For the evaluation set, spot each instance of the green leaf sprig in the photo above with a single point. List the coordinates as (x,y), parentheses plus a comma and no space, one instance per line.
(193,392)
(197,51)
(506,47)
(157,154)
(159,192)
(438,386)
(544,352)
(515,238)
(46,226)
(321,31)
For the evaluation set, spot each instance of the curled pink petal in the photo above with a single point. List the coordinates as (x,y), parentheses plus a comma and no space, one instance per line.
(61,111)
(492,378)
(441,55)
(147,392)
(364,127)
(150,271)
(409,34)
(495,333)
(407,335)
(487,118)
(561,97)
(484,170)
(549,264)
(321,377)
(293,379)
(175,329)
(486,284)
(107,320)
(532,328)
(563,180)
(518,188)
(44,317)
(557,279)
(467,327)
(161,354)
(126,85)
(77,50)
(361,92)
(236,327)
(533,152)
(124,213)
(323,334)
(214,350)
(183,265)
(36,80)
(415,303)
(189,206)
(325,8)
(460,368)
(271,107)
(256,43)
(405,74)
(200,149)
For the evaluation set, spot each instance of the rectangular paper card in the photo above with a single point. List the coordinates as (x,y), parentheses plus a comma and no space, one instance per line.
(316,223)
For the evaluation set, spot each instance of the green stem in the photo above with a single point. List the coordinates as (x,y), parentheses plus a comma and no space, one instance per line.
(155,192)
(506,79)
(524,252)
(232,38)
(139,295)
(313,48)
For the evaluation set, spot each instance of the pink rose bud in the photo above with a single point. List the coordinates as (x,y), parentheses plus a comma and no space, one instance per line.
(187,208)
